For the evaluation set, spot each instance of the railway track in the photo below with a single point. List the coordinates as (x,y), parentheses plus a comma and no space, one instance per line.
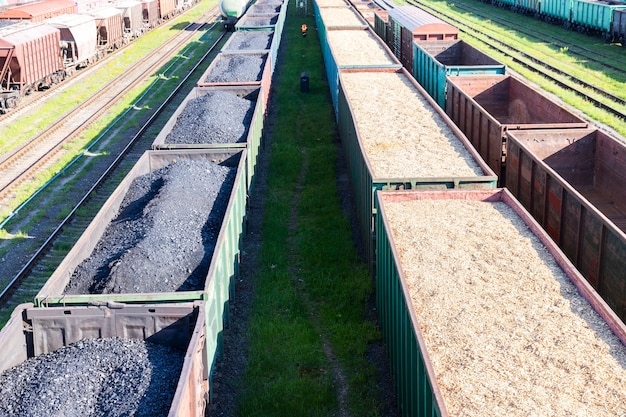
(40,152)
(25,284)
(599,97)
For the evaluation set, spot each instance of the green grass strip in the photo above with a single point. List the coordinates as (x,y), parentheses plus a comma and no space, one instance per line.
(310,269)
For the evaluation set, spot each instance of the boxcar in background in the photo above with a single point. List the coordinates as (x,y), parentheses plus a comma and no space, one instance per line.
(132,14)
(573,183)
(485,107)
(31,332)
(79,40)
(30,60)
(40,11)
(110,24)
(433,61)
(381,24)
(408,24)
(150,12)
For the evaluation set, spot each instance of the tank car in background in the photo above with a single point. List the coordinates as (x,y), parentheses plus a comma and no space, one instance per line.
(232,10)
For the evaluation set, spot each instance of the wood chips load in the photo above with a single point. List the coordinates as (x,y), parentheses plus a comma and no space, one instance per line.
(358,48)
(340,16)
(507,332)
(402,136)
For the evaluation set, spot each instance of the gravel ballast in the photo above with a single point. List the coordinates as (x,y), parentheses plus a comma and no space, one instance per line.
(92,378)
(505,328)
(164,235)
(237,69)
(401,134)
(213,118)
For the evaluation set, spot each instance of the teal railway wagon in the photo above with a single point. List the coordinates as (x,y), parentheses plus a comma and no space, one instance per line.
(433,61)
(572,182)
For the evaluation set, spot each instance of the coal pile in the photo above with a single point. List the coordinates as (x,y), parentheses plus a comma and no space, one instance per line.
(264,8)
(93,378)
(213,118)
(252,41)
(164,235)
(237,68)
(260,20)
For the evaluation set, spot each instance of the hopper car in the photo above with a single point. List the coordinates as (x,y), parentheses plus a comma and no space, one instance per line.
(43,43)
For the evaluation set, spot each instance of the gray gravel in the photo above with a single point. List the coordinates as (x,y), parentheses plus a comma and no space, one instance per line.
(164,235)
(237,68)
(252,41)
(94,377)
(259,20)
(215,117)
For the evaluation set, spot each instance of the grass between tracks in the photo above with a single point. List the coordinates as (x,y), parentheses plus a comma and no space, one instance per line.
(310,279)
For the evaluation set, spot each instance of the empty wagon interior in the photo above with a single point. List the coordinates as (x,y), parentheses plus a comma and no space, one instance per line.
(457,53)
(589,161)
(512,102)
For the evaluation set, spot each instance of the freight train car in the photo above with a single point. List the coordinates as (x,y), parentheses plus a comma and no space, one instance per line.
(110,29)
(221,117)
(79,40)
(30,60)
(572,182)
(485,107)
(433,61)
(109,359)
(481,311)
(598,17)
(204,193)
(40,11)
(408,24)
(395,137)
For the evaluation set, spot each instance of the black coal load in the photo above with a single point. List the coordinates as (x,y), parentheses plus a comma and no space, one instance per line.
(93,378)
(265,8)
(237,69)
(164,235)
(252,41)
(213,118)
(259,20)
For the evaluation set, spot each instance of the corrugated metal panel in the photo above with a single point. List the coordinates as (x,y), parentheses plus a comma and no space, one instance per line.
(36,52)
(80,30)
